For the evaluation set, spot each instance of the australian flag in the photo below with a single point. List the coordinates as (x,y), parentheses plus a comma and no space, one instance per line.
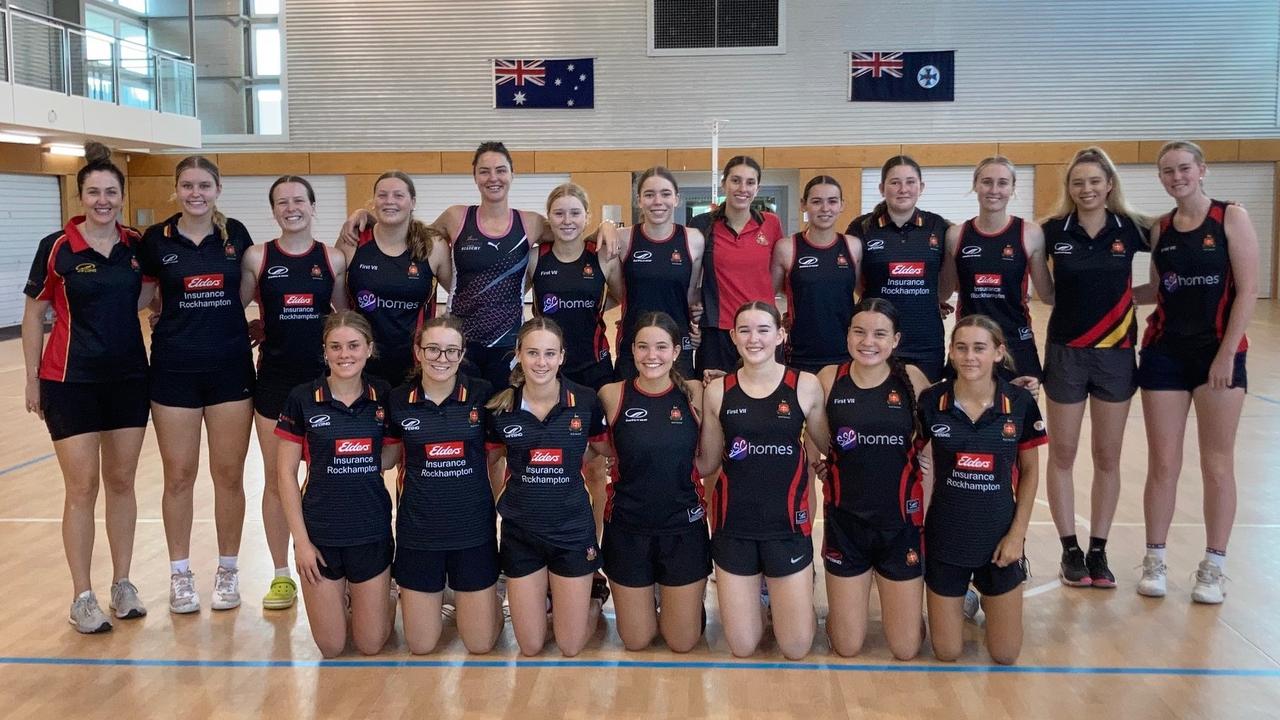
(902,76)
(541,83)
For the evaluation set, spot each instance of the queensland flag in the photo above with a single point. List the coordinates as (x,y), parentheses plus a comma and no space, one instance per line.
(563,84)
(902,76)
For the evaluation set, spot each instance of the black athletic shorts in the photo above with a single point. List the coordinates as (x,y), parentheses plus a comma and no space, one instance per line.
(930,365)
(953,581)
(813,366)
(202,389)
(1071,374)
(491,363)
(716,351)
(524,553)
(356,563)
(76,408)
(1161,369)
(393,372)
(851,547)
(594,376)
(466,570)
(775,558)
(273,388)
(638,559)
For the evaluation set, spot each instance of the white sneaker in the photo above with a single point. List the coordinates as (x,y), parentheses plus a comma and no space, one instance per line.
(87,616)
(1153,583)
(972,606)
(182,593)
(1210,586)
(449,614)
(125,601)
(226,589)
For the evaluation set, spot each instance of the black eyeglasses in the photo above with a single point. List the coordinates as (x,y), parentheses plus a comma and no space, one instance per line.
(433,352)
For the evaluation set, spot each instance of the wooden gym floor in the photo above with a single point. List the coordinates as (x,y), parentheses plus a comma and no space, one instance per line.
(1088,653)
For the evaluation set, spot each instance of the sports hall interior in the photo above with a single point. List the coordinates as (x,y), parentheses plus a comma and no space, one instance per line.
(364,87)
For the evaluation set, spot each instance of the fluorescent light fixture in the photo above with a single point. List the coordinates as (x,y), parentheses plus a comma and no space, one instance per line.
(19,138)
(65,149)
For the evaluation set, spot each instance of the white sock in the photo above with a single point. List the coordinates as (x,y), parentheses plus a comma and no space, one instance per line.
(177,567)
(85,594)
(227,561)
(1156,552)
(1215,558)
(284,572)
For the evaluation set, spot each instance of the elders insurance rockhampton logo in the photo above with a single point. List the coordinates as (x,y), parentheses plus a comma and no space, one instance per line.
(299,300)
(906,269)
(975,462)
(201,283)
(352,446)
(444,450)
(546,456)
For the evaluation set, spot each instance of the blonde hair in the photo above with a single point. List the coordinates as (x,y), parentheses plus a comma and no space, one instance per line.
(569,189)
(1116,202)
(200,162)
(504,401)
(421,235)
(351,319)
(997,336)
(1187,145)
(995,160)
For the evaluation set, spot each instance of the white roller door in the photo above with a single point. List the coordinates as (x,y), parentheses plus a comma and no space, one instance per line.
(244,198)
(30,208)
(947,192)
(1250,184)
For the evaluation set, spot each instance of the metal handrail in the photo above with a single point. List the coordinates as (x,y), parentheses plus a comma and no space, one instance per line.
(155,59)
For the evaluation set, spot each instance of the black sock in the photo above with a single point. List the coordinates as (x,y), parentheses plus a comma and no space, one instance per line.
(1097,544)
(1069,542)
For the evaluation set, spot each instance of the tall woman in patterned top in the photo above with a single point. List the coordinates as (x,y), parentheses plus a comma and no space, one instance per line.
(89,384)
(1091,238)
(201,374)
(341,517)
(1205,268)
(983,435)
(296,281)
(752,422)
(392,273)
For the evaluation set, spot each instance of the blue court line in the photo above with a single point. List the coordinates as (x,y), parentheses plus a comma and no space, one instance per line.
(25,463)
(650,665)
(1266,399)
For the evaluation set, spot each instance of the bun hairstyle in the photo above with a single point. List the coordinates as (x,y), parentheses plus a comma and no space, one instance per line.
(200,162)
(503,401)
(421,235)
(997,336)
(97,158)
(663,322)
(897,368)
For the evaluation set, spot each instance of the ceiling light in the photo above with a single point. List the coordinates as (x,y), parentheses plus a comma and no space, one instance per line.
(65,149)
(19,138)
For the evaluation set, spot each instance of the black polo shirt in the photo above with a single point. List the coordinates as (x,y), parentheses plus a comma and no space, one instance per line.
(344,501)
(202,325)
(975,470)
(96,335)
(445,501)
(545,492)
(1093,282)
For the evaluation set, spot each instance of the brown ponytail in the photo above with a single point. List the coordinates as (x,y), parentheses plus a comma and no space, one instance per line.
(505,400)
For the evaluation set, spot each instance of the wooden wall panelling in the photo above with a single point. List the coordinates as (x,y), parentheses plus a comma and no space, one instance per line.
(1036,153)
(1048,188)
(360,191)
(1259,150)
(683,159)
(850,180)
(264,163)
(414,163)
(828,156)
(570,161)
(459,162)
(950,154)
(604,188)
(1214,150)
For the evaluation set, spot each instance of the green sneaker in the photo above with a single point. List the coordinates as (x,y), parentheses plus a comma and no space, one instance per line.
(281,595)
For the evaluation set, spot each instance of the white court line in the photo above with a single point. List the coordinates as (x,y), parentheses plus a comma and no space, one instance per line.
(1079,520)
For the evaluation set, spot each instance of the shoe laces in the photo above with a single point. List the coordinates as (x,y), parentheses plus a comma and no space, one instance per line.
(1152,567)
(84,604)
(1209,574)
(225,579)
(123,587)
(184,583)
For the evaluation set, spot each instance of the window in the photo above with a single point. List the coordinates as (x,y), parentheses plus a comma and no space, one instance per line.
(266,7)
(245,96)
(268,110)
(266,51)
(716,27)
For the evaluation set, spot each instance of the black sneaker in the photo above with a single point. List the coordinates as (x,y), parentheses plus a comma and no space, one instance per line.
(1073,571)
(1099,573)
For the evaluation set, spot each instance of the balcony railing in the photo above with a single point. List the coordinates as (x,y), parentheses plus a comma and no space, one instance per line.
(51,54)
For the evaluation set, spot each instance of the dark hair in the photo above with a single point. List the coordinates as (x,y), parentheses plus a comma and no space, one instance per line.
(421,235)
(271,194)
(657,171)
(97,158)
(997,336)
(444,321)
(882,207)
(503,401)
(737,160)
(492,146)
(897,367)
(200,162)
(820,180)
(663,322)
